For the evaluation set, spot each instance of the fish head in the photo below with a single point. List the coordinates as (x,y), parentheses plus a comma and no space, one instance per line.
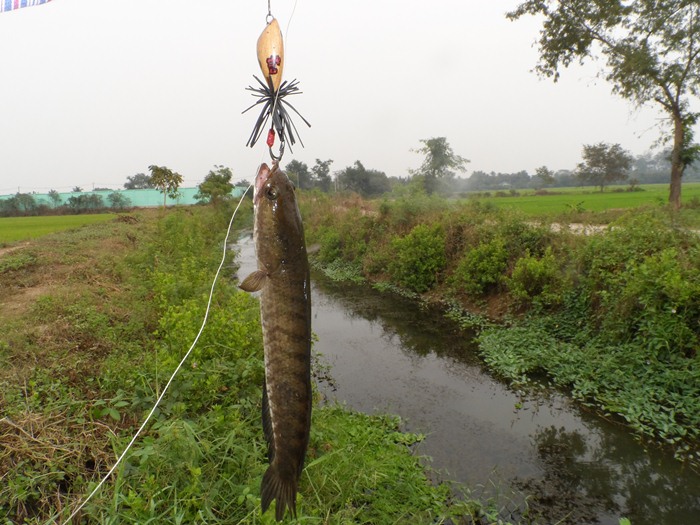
(273,189)
(278,226)
(262,176)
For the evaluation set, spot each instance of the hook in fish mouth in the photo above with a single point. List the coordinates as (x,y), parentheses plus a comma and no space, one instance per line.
(264,173)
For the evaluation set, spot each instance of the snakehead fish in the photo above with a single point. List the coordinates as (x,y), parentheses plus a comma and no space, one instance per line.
(285,307)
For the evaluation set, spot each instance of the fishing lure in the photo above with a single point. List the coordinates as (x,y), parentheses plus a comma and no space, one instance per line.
(272,93)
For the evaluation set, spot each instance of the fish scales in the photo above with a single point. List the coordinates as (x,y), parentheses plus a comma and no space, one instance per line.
(285,305)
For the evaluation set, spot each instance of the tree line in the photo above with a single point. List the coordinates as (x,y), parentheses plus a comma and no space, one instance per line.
(215,188)
(602,164)
(23,204)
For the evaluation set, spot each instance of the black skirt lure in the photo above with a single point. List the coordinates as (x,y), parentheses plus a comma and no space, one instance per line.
(272,93)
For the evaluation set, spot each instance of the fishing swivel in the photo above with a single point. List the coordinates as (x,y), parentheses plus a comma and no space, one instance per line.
(272,92)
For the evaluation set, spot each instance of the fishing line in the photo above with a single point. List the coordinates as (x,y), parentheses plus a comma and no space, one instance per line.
(194,342)
(179,366)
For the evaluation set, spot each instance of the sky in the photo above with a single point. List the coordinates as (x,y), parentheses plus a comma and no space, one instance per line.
(94,91)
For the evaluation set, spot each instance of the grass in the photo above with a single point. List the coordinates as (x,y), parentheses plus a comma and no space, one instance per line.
(566,200)
(13,229)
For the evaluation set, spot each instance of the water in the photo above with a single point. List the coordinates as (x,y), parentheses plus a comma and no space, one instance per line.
(389,355)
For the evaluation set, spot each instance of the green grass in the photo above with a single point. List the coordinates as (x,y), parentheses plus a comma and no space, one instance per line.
(13,229)
(563,200)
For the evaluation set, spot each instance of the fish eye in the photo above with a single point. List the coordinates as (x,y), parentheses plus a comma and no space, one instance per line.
(271,193)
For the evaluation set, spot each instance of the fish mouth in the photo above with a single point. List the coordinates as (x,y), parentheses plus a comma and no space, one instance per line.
(261,178)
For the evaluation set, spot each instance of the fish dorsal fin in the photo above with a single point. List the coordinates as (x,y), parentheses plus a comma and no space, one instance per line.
(254,282)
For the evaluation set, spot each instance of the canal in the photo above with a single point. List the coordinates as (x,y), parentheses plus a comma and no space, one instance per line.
(388,354)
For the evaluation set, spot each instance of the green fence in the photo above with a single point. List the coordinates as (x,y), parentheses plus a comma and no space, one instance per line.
(139,198)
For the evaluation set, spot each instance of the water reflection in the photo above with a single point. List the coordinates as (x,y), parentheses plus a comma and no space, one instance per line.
(572,489)
(585,477)
(415,329)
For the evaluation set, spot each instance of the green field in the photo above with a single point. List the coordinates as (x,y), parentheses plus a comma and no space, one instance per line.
(563,200)
(13,229)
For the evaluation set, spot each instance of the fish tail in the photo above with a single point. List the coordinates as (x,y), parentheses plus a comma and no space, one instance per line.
(283,488)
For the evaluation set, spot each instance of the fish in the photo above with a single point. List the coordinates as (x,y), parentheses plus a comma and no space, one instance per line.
(282,277)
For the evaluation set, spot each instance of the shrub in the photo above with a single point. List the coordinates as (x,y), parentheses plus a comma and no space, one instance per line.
(642,279)
(535,277)
(627,242)
(419,257)
(407,211)
(330,249)
(522,237)
(481,269)
(658,304)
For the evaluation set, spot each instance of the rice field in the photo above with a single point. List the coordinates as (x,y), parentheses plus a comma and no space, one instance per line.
(13,229)
(589,199)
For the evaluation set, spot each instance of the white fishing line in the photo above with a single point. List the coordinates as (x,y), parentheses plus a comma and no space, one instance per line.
(194,343)
(179,366)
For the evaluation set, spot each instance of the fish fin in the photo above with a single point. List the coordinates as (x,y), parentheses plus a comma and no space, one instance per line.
(279,487)
(254,282)
(267,424)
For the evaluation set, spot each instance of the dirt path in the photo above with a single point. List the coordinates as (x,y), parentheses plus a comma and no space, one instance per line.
(10,249)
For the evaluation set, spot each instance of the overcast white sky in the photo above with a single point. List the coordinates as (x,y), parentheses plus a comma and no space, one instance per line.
(93,91)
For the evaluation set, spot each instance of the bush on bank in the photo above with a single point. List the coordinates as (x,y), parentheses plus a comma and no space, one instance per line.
(613,316)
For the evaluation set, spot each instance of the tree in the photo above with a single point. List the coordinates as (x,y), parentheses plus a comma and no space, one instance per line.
(440,163)
(545,175)
(19,204)
(298,172)
(118,201)
(246,186)
(603,164)
(140,181)
(322,175)
(216,186)
(77,189)
(652,52)
(368,183)
(166,180)
(55,198)
(26,201)
(86,201)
